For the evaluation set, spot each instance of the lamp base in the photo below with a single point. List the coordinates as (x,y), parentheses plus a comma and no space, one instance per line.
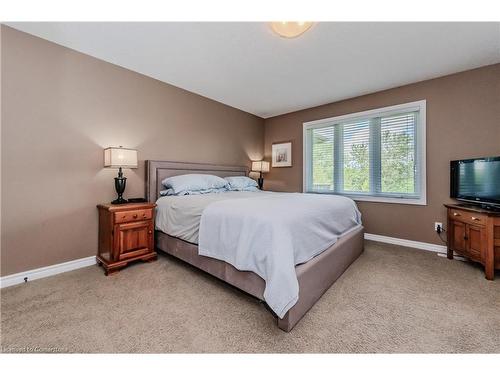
(260,181)
(120,183)
(119,200)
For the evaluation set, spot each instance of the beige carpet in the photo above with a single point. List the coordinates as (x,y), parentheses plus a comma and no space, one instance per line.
(392,299)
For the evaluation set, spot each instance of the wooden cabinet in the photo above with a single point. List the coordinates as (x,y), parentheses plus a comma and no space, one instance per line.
(476,240)
(126,233)
(457,236)
(475,234)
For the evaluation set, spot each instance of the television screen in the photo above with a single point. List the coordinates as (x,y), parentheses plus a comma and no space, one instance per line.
(477,180)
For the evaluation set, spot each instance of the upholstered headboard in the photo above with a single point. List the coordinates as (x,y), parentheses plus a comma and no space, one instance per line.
(157,171)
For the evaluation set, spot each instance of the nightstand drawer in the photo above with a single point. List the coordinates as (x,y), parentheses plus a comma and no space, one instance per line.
(136,215)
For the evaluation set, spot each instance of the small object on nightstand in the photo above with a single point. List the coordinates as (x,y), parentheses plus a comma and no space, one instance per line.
(126,234)
(137,200)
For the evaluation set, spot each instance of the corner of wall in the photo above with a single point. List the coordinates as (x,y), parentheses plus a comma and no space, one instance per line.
(1,116)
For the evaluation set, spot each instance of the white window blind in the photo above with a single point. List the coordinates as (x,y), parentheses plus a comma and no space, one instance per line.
(355,145)
(397,155)
(322,158)
(376,155)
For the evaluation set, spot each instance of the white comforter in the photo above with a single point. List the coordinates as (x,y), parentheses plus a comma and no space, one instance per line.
(270,234)
(180,216)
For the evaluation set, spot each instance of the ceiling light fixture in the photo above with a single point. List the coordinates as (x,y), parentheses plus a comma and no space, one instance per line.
(290,29)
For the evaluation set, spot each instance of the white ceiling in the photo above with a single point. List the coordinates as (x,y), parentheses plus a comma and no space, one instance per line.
(248,67)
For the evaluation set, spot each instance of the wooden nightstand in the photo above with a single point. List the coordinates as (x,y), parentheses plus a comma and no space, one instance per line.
(126,234)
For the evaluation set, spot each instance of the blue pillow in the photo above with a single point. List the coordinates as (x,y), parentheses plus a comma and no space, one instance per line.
(192,183)
(192,192)
(242,183)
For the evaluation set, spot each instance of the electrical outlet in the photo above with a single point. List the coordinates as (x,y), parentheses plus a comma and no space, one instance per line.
(436,225)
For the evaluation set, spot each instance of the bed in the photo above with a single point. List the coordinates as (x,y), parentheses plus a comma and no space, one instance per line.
(314,276)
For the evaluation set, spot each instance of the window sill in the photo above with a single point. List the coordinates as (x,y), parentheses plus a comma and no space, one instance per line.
(355,197)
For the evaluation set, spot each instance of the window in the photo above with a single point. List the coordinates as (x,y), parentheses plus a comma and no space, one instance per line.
(377,155)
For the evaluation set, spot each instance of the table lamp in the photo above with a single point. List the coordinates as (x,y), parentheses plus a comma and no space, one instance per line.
(262,167)
(119,157)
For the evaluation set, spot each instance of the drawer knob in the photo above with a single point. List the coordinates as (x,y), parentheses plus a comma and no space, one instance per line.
(456,214)
(144,216)
(135,216)
(150,232)
(475,218)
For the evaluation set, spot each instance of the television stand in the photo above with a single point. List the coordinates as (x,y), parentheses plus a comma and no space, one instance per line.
(474,233)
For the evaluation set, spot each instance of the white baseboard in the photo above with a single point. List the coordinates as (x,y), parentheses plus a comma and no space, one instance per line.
(408,243)
(19,278)
(38,273)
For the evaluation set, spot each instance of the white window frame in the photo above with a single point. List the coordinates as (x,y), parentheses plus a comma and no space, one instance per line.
(419,106)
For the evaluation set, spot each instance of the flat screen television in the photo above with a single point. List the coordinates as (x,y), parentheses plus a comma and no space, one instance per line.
(476,180)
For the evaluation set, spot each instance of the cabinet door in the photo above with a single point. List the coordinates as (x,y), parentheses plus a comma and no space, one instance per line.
(457,236)
(476,240)
(133,239)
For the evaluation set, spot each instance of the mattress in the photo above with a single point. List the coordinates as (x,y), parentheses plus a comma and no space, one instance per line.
(179,216)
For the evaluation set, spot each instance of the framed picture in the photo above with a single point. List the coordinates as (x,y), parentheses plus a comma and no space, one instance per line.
(282,154)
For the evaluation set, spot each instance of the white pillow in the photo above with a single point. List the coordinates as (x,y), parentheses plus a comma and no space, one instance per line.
(242,183)
(191,183)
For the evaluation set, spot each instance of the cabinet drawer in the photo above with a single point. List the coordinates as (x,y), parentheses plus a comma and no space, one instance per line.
(136,215)
(468,217)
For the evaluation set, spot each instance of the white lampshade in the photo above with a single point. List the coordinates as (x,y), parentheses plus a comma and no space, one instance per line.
(115,157)
(260,166)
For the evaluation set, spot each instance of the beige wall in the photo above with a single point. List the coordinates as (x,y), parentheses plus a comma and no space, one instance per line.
(60,108)
(463,121)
